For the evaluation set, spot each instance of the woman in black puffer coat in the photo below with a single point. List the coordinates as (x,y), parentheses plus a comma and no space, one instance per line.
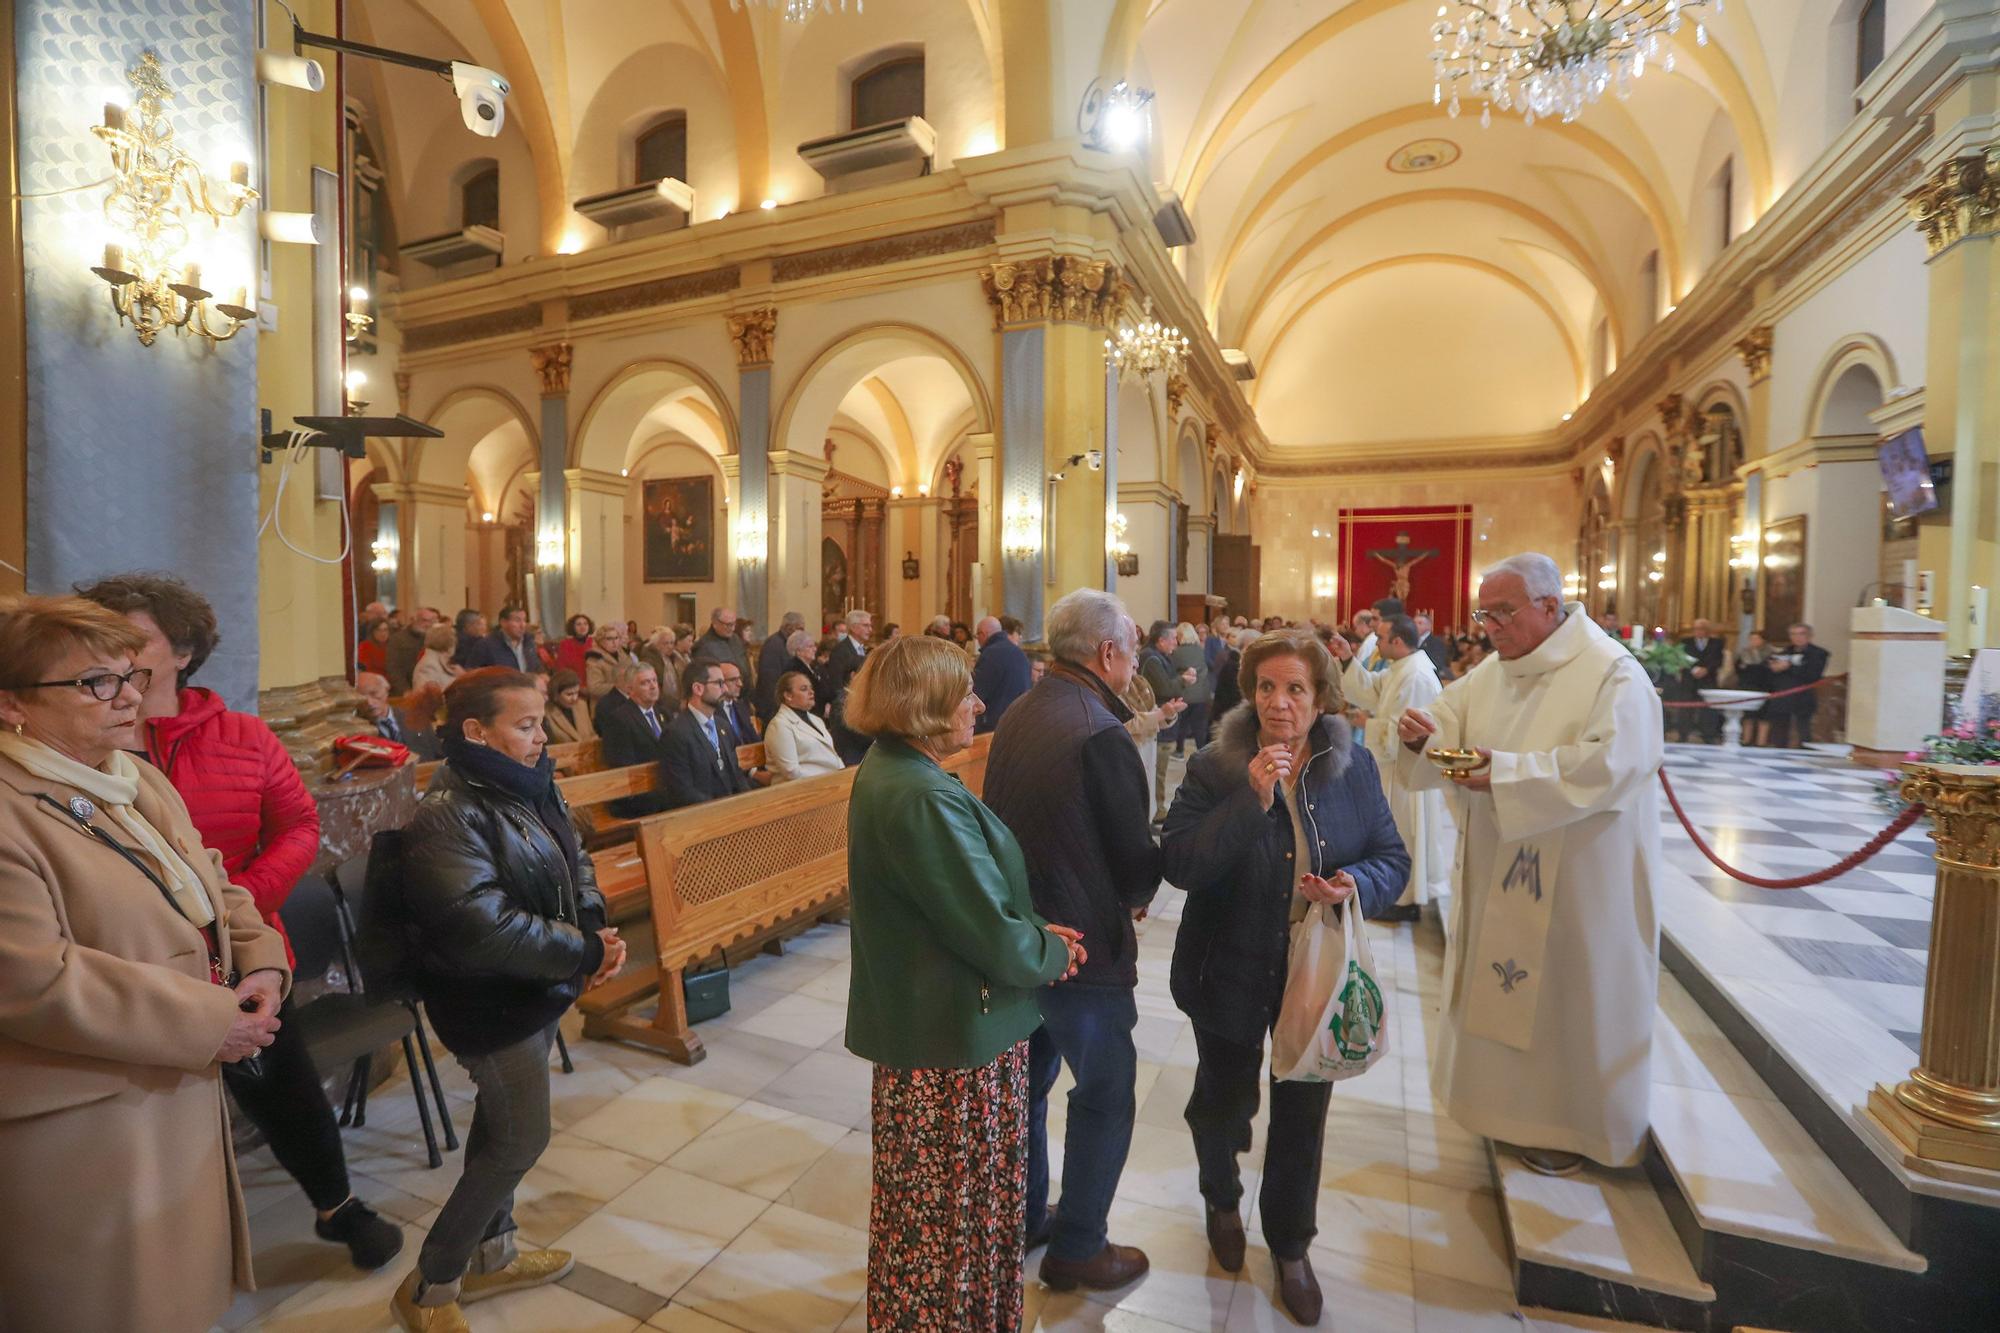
(513,930)
(1285,810)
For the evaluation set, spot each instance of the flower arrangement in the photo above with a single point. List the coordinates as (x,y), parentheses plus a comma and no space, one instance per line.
(1972,739)
(1662,658)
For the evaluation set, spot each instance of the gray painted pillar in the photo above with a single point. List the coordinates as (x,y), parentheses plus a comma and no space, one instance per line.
(1111,471)
(552,508)
(1173,561)
(137,457)
(1023,470)
(753,491)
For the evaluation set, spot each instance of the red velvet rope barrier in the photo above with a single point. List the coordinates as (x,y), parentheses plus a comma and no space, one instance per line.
(1875,844)
(1776,694)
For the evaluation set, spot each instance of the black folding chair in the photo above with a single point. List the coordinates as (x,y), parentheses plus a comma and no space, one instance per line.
(348,1027)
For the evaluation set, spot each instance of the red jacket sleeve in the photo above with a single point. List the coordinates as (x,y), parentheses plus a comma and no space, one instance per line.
(289,837)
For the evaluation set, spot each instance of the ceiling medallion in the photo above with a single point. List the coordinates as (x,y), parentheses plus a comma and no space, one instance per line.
(1423,155)
(1551,57)
(798,11)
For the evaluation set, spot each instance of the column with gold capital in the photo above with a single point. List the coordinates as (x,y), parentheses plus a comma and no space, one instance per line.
(1948,1109)
(552,366)
(754,332)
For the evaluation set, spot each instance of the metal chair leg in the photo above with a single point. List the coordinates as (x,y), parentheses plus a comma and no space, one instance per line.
(367,1068)
(437,1086)
(423,1106)
(353,1091)
(562,1049)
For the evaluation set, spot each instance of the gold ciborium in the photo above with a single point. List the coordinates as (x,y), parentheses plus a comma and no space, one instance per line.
(1456,764)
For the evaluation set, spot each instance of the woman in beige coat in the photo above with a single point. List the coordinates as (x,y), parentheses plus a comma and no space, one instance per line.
(124,985)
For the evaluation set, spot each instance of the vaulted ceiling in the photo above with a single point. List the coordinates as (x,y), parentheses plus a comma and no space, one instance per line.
(1398,275)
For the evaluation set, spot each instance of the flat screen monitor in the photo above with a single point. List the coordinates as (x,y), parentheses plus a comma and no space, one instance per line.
(1906,472)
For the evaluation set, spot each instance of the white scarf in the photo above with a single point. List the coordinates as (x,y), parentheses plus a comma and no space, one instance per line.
(114,786)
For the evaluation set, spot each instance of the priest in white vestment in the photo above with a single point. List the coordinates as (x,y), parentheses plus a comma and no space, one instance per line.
(1422,813)
(1552,971)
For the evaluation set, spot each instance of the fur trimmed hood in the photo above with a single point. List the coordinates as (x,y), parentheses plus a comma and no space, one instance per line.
(1236,739)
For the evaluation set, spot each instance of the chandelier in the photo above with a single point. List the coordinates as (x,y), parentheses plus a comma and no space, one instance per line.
(1551,57)
(1148,349)
(155,190)
(798,11)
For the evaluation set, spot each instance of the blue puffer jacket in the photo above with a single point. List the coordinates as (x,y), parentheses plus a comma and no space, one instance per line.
(1234,859)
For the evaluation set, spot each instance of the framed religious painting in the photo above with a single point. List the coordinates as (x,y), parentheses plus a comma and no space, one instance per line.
(678,526)
(1784,575)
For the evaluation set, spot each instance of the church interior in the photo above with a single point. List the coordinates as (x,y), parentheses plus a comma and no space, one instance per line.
(1253,312)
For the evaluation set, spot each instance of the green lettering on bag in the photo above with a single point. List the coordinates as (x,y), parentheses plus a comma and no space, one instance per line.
(1357,1021)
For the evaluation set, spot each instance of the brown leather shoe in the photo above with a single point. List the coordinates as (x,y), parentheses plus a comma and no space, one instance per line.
(1111,1267)
(1225,1238)
(1298,1289)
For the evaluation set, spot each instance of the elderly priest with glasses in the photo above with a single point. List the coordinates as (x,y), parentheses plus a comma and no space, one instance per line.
(1552,973)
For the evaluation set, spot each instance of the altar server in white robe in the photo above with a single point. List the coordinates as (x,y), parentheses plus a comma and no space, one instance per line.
(1552,974)
(1360,669)
(1422,813)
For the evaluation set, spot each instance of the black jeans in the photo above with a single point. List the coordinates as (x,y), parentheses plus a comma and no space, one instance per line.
(1219,1112)
(289,1106)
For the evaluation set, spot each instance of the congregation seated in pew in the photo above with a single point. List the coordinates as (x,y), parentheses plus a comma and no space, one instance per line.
(633,731)
(698,753)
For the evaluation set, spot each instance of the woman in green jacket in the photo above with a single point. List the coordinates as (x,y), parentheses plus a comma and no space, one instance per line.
(947,955)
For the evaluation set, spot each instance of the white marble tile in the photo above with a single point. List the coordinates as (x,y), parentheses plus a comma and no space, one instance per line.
(837,1187)
(1747,1168)
(1365,1214)
(674,1318)
(1441,1153)
(545,1308)
(1607,1224)
(1184,1287)
(1824,1035)
(574,1178)
(789,1272)
(758,1149)
(1691,1052)
(1446,1305)
(663,1230)
(740,1063)
(1862,902)
(656,1119)
(348,1301)
(1361,1296)
(799,1019)
(1457,1234)
(826,1085)
(1803,925)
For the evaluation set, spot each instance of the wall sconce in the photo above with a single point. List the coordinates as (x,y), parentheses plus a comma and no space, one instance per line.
(1324,586)
(549,551)
(383,555)
(924,489)
(912,570)
(1021,530)
(359,321)
(155,191)
(1120,549)
(895,492)
(751,540)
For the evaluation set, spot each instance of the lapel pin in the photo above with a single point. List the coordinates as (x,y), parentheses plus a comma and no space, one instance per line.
(81,808)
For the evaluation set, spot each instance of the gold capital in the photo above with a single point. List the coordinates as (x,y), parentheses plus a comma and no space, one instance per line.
(1960,198)
(1177,387)
(1755,349)
(753,332)
(552,364)
(1670,413)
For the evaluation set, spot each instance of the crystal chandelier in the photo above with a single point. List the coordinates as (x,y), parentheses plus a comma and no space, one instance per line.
(798,11)
(1148,349)
(1551,57)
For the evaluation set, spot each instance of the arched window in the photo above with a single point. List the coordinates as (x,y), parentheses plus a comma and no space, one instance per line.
(1725,201)
(893,89)
(661,150)
(479,199)
(1870,38)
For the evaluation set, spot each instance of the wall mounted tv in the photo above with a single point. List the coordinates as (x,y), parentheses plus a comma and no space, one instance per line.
(1906,473)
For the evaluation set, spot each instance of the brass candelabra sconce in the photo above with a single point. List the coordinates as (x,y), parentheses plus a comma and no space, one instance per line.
(156,189)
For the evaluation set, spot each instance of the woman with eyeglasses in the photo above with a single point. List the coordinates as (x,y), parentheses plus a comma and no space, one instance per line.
(251,808)
(131,971)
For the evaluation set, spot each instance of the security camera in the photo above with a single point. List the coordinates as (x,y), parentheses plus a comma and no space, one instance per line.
(482,98)
(1094,459)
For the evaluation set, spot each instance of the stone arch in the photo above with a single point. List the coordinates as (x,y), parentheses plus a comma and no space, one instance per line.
(617,416)
(467,415)
(1190,477)
(1840,385)
(1644,455)
(847,361)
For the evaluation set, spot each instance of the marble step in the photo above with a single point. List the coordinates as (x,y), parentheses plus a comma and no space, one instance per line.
(1740,1162)
(1599,1241)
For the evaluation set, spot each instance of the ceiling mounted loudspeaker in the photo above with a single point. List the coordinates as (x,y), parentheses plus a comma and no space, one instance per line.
(1176,228)
(1239,363)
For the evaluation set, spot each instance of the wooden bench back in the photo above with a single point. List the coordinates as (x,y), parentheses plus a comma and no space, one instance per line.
(571,758)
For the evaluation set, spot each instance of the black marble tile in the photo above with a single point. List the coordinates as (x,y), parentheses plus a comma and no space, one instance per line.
(1735,891)
(1817,825)
(1904,864)
(1899,931)
(1853,962)
(597,1285)
(1913,1040)
(1760,836)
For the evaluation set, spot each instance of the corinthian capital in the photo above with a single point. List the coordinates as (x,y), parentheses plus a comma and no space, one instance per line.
(551,362)
(1960,198)
(753,332)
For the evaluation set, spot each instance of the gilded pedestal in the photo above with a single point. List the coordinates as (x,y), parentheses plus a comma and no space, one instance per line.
(1948,1110)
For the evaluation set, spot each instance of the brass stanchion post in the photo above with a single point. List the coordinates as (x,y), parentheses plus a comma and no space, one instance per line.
(1948,1110)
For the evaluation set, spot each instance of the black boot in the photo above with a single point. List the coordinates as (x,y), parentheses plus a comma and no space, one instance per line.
(371,1239)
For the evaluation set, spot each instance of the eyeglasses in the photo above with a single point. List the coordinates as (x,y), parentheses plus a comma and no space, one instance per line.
(1502,619)
(103,688)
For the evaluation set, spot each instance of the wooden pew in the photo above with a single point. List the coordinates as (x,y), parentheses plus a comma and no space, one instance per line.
(572,758)
(728,872)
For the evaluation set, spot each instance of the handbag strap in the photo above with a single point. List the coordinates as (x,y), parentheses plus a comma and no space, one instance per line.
(133,859)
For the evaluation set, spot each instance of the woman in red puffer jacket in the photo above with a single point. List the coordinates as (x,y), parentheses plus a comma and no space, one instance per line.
(251,807)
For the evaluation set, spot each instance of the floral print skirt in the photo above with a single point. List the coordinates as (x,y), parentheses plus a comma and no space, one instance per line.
(946,1220)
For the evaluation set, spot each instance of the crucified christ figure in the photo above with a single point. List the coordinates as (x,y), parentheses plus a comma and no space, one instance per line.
(1401,560)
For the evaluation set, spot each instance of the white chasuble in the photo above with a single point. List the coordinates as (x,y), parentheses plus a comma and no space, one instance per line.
(1422,814)
(1552,971)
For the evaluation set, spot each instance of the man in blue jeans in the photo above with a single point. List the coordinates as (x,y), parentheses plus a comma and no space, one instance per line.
(1065,777)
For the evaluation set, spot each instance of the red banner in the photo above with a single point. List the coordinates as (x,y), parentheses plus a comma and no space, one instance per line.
(1420,554)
